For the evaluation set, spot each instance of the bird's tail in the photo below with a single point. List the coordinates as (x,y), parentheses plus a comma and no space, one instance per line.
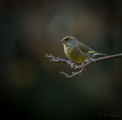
(99,54)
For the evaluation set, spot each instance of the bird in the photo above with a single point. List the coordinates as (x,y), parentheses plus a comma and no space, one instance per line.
(78,52)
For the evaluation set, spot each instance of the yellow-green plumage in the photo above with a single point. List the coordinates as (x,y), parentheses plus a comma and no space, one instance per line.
(74,54)
(77,51)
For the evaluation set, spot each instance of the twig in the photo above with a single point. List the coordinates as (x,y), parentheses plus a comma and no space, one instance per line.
(89,62)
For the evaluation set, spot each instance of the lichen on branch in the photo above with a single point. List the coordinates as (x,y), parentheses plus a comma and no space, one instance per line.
(86,64)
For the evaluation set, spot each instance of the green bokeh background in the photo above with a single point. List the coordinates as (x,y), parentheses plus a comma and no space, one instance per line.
(31,86)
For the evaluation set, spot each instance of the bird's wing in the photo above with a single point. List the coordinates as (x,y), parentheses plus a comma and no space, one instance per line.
(84,48)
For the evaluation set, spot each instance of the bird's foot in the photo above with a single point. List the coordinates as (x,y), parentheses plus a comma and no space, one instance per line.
(73,65)
(82,66)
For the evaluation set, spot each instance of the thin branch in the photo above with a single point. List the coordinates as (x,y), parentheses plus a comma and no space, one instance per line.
(89,62)
(53,59)
(108,57)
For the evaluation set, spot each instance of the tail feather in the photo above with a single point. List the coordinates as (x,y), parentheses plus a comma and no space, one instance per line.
(99,54)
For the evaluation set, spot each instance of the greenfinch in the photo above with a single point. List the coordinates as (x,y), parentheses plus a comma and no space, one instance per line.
(77,51)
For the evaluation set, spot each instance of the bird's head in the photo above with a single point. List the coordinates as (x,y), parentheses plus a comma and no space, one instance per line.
(68,41)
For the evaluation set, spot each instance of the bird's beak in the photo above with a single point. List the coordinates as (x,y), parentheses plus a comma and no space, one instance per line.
(62,41)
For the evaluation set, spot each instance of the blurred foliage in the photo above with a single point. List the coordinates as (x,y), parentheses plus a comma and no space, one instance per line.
(31,86)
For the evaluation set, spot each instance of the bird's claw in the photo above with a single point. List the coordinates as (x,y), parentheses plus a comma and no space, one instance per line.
(73,65)
(82,66)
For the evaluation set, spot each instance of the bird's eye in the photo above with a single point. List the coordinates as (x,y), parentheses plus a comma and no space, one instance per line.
(66,39)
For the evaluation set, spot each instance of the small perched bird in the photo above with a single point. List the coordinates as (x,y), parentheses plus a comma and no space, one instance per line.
(77,51)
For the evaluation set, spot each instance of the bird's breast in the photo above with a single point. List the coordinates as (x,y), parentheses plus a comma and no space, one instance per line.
(75,54)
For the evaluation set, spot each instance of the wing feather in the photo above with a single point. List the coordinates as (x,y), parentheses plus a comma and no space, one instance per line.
(84,48)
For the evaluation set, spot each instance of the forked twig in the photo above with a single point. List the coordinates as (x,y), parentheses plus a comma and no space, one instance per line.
(89,62)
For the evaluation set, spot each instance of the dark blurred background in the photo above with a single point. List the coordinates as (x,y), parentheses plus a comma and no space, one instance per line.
(31,86)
